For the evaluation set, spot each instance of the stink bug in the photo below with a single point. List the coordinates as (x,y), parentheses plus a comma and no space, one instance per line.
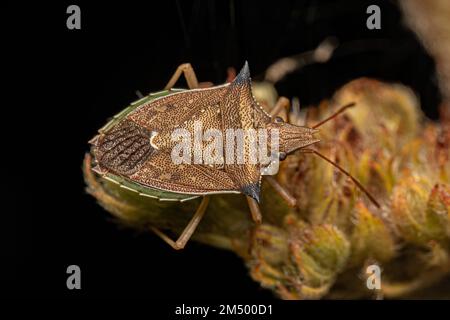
(136,148)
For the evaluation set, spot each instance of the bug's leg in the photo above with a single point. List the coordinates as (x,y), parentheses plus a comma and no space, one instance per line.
(254,209)
(189,74)
(189,230)
(290,200)
(281,108)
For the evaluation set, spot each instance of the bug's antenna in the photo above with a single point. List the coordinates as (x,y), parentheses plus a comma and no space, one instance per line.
(358,184)
(340,110)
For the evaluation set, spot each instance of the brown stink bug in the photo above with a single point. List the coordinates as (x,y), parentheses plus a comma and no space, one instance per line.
(136,148)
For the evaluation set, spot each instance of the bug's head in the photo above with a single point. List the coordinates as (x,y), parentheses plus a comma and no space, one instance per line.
(292,137)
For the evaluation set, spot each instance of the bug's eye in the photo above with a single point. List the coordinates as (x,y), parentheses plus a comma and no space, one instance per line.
(282,155)
(278,120)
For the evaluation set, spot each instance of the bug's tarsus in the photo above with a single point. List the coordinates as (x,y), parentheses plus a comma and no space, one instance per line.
(290,200)
(189,230)
(254,210)
(334,115)
(356,182)
(188,72)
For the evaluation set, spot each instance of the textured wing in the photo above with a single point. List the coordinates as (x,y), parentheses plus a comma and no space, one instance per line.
(240,111)
(160,172)
(173,110)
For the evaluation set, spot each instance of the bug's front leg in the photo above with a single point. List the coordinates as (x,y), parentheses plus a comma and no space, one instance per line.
(281,108)
(189,230)
(290,200)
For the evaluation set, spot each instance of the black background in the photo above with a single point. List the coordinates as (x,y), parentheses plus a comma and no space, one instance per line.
(66,83)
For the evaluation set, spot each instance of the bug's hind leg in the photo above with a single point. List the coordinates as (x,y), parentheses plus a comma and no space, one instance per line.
(189,230)
(188,72)
(254,210)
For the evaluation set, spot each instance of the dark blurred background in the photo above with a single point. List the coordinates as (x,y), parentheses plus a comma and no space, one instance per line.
(66,83)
